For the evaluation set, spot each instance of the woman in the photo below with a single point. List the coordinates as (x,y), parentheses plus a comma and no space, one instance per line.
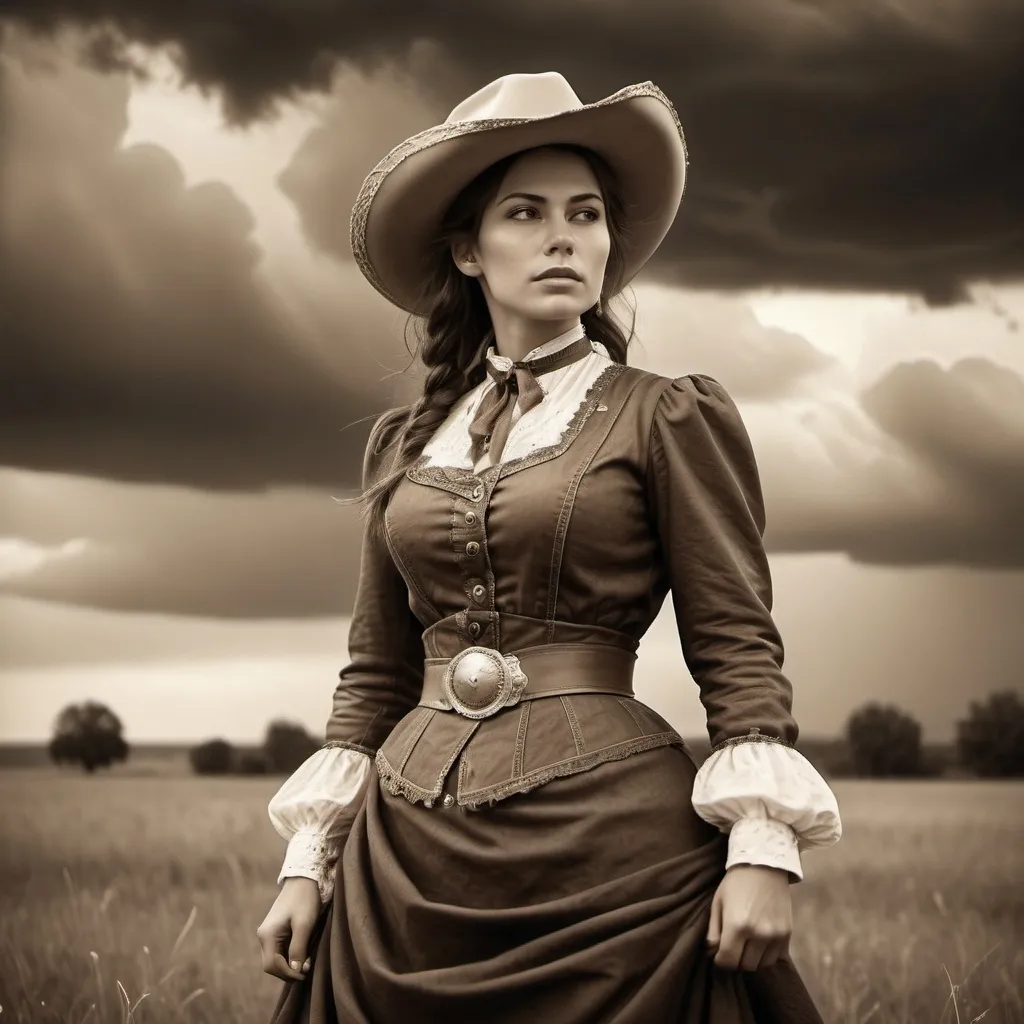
(496,829)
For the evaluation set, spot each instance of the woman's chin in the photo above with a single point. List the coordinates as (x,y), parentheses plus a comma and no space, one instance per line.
(554,309)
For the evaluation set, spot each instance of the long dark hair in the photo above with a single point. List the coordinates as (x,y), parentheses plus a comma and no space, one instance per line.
(457,329)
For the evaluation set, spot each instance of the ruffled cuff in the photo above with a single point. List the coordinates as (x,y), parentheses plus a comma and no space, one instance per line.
(311,855)
(770,800)
(314,809)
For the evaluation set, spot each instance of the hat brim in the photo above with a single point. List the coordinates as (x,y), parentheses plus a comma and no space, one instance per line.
(398,211)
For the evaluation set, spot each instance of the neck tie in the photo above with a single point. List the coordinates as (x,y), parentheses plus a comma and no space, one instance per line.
(493,420)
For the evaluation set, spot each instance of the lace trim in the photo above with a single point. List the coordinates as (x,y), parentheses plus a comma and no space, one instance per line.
(437,134)
(470,484)
(310,855)
(754,736)
(766,843)
(396,783)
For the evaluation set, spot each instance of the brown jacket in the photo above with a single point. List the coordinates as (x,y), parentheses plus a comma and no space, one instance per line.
(654,487)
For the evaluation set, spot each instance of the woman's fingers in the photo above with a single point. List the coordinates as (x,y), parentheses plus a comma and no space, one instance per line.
(273,954)
(730,948)
(741,948)
(779,950)
(714,936)
(753,952)
(280,968)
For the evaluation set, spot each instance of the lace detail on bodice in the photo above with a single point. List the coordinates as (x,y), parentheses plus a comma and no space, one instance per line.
(565,391)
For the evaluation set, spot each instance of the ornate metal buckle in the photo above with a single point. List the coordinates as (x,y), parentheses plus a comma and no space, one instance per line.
(479,681)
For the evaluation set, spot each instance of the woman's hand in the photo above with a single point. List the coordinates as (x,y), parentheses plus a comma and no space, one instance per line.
(751,917)
(285,931)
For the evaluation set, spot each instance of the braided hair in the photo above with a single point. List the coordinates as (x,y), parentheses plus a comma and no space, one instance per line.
(457,330)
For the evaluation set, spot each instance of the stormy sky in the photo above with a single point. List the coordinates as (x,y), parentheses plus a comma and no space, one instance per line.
(190,358)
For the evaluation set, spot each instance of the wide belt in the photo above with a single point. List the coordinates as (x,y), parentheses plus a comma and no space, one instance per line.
(480,681)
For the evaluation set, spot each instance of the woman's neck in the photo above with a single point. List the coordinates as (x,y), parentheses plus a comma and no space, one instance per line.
(515,339)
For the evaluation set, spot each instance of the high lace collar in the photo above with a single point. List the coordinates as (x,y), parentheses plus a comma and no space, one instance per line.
(503,363)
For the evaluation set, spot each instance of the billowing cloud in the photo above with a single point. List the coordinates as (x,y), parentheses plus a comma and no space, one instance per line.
(872,146)
(926,469)
(285,553)
(681,332)
(929,470)
(139,341)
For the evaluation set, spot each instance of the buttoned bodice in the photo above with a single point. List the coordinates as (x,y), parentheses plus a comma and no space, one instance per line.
(650,487)
(622,486)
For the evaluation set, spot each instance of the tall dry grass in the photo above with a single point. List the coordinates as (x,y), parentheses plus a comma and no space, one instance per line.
(137,900)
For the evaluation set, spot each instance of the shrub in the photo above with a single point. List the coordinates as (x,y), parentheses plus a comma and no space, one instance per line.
(214,757)
(89,735)
(884,741)
(990,740)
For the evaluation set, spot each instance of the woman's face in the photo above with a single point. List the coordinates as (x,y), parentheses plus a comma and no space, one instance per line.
(547,213)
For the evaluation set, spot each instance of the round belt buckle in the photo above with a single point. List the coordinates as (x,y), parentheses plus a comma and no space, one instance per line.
(480,681)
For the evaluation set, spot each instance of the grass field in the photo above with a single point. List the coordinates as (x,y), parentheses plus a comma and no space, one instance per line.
(135,898)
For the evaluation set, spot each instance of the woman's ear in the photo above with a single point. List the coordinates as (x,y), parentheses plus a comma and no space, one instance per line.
(465,259)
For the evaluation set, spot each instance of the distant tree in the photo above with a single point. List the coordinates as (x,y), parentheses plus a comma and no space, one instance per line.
(90,735)
(214,757)
(287,745)
(884,742)
(252,762)
(990,740)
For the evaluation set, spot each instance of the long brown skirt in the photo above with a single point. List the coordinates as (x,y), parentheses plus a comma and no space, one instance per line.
(586,901)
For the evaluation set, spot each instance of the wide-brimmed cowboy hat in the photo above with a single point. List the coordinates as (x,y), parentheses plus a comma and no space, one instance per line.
(399,208)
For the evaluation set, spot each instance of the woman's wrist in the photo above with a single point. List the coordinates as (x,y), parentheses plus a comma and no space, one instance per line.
(295,881)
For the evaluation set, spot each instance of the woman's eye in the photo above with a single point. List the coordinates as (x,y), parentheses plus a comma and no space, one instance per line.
(591,215)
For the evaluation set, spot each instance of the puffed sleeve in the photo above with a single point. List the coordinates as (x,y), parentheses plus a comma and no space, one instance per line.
(383,679)
(381,682)
(710,518)
(313,810)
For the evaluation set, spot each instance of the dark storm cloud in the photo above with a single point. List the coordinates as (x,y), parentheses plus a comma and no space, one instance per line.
(138,342)
(966,425)
(836,144)
(929,470)
(286,553)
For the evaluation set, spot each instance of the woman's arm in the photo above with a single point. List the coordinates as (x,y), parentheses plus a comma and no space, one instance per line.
(313,810)
(709,510)
(381,682)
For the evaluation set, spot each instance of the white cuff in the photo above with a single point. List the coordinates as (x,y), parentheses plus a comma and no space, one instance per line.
(770,799)
(764,842)
(311,855)
(314,809)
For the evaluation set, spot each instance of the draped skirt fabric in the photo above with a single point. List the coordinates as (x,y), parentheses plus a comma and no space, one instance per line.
(586,901)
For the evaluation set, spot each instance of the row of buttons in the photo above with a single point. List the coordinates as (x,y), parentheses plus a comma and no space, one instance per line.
(479,592)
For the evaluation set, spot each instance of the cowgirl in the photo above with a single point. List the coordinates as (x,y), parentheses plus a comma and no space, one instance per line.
(496,829)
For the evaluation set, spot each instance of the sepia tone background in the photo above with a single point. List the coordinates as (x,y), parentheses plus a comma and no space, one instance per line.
(191,361)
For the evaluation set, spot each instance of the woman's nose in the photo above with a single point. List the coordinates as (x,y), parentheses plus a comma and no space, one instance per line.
(561,243)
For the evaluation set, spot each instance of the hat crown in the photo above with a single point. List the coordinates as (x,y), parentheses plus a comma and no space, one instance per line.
(518,96)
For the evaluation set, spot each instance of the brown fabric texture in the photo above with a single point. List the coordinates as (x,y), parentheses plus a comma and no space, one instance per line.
(586,902)
(653,489)
(569,880)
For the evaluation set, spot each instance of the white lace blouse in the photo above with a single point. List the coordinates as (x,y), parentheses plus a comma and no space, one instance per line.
(767,796)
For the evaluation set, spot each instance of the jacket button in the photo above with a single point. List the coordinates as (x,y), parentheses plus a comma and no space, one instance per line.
(479,592)
(472,548)
(471,518)
(448,801)
(478,493)
(474,629)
